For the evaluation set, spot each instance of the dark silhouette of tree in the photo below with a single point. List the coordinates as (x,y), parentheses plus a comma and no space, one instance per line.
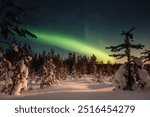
(44,54)
(71,60)
(93,62)
(52,52)
(25,47)
(126,46)
(82,62)
(11,22)
(108,68)
(92,66)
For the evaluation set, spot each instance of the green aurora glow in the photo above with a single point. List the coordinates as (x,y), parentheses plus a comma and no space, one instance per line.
(72,44)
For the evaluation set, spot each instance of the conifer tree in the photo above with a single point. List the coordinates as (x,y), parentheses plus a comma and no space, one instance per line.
(126,46)
(93,62)
(11,20)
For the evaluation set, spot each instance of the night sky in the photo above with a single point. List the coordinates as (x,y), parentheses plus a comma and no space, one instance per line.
(87,26)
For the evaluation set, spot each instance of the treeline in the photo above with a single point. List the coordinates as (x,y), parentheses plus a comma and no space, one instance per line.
(81,63)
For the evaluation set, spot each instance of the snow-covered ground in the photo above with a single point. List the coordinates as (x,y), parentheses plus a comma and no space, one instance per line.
(84,89)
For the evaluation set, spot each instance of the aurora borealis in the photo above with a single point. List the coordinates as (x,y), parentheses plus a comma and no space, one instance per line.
(71,44)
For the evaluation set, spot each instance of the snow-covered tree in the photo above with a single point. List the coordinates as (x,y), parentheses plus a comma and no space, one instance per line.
(126,46)
(99,76)
(5,65)
(142,76)
(82,62)
(48,73)
(146,55)
(74,73)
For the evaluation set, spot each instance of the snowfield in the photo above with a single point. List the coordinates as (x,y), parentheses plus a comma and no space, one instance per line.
(84,89)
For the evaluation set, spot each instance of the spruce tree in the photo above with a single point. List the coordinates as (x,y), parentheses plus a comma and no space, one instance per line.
(126,46)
